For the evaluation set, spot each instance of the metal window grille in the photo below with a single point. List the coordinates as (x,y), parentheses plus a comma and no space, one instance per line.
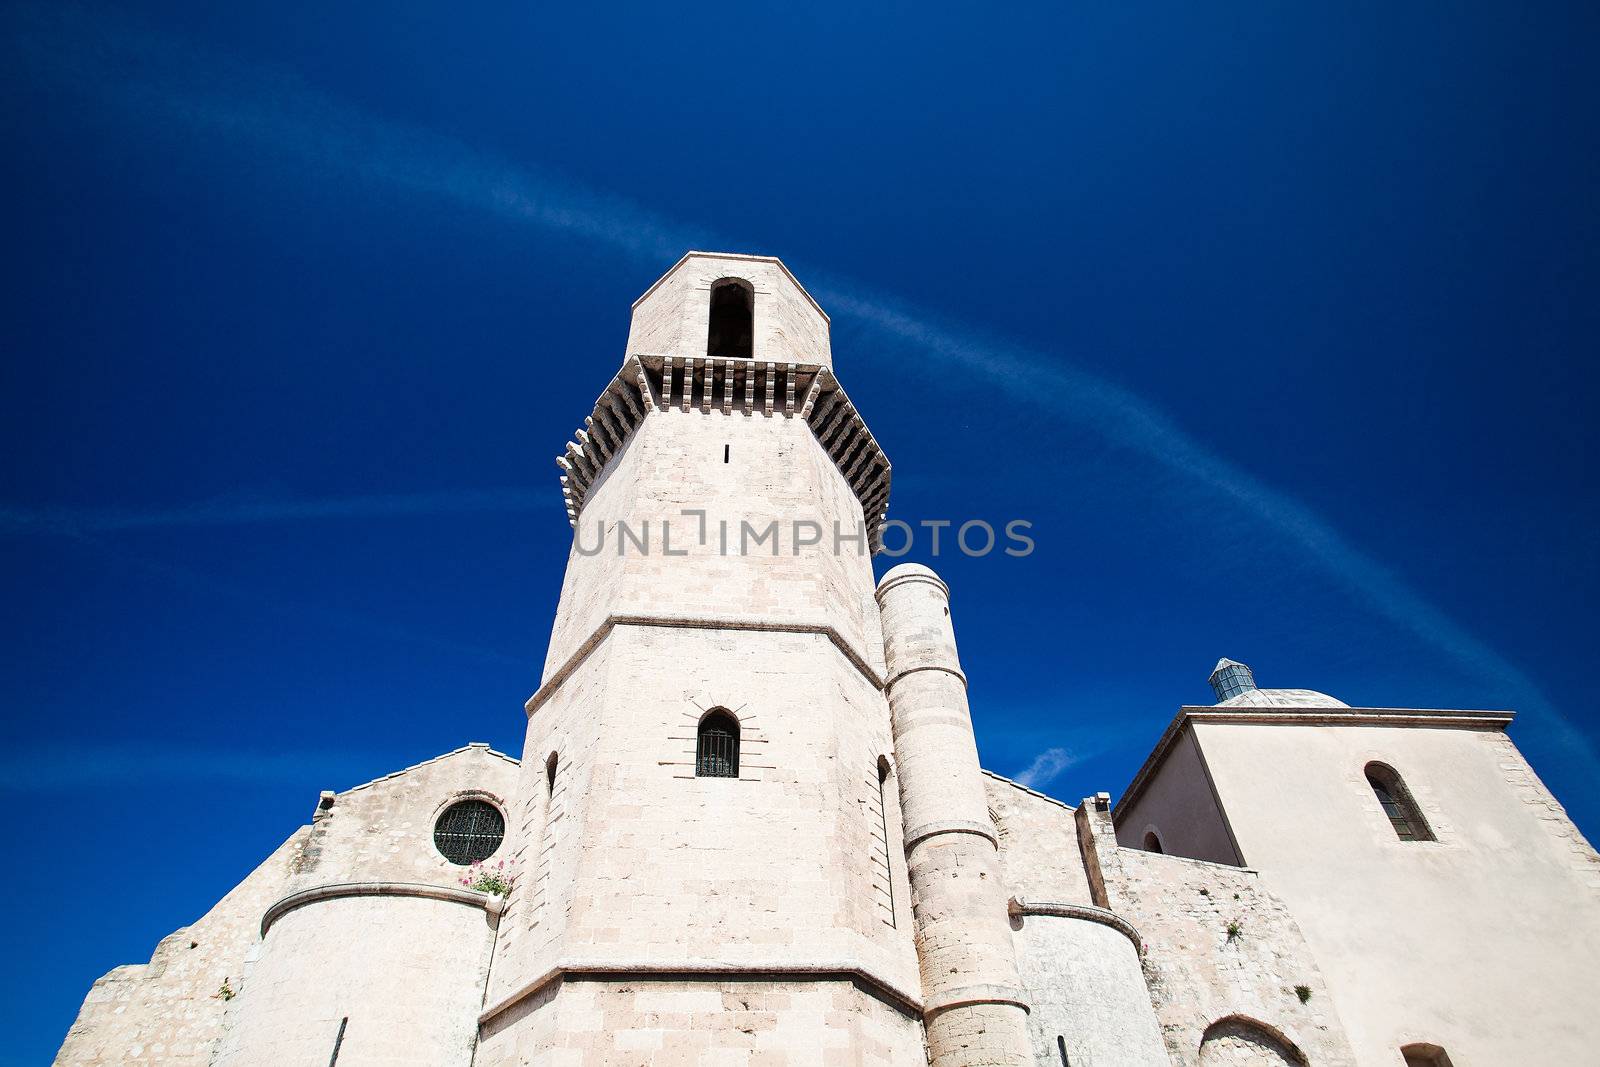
(717,751)
(469,832)
(1397,813)
(1398,806)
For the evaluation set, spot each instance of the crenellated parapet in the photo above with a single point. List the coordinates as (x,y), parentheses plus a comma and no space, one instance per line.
(684,385)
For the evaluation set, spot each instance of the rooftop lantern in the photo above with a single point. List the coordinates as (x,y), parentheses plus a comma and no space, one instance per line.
(1231,678)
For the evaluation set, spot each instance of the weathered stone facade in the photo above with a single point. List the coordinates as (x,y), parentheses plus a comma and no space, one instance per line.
(749,826)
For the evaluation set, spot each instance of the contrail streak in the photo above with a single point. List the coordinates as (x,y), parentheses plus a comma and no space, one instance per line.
(153,78)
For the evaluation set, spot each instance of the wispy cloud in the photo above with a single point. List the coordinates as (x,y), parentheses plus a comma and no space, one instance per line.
(1135,423)
(153,78)
(237,510)
(1046,768)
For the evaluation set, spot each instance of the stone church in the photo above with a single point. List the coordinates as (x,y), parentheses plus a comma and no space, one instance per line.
(749,825)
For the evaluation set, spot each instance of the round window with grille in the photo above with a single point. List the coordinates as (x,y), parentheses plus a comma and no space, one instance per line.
(469,831)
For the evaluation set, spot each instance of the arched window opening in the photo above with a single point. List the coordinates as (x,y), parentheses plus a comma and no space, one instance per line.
(1395,799)
(716,753)
(550,775)
(732,333)
(1425,1055)
(1239,1040)
(1152,843)
(1061,1047)
(469,832)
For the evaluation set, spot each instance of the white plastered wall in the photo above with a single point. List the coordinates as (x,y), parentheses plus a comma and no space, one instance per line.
(1485,942)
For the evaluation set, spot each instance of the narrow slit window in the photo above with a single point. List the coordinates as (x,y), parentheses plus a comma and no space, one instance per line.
(1061,1047)
(716,752)
(884,872)
(732,331)
(727,450)
(1395,800)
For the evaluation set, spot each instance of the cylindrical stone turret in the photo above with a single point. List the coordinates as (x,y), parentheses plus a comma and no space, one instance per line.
(972,997)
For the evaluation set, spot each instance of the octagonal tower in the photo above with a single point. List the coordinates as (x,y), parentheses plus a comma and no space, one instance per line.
(709,826)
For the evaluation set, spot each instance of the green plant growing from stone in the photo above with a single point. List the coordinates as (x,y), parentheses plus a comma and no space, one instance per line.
(497,879)
(225,992)
(1235,930)
(1303,992)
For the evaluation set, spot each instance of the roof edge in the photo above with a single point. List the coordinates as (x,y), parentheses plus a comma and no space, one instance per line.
(482,746)
(1307,716)
(1026,789)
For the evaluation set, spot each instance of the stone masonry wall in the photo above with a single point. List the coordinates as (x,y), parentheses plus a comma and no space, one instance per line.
(1217,945)
(1084,982)
(405,974)
(382,831)
(645,872)
(166,1013)
(720,1023)
(1088,994)
(775,475)
(653,868)
(972,994)
(546,830)
(1038,836)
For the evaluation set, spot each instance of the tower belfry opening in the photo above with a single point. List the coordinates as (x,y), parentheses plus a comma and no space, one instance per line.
(732,331)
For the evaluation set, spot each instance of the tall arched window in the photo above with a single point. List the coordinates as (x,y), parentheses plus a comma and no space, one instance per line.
(1395,799)
(732,333)
(716,753)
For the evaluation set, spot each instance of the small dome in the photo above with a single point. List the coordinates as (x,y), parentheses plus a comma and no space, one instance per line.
(1282,698)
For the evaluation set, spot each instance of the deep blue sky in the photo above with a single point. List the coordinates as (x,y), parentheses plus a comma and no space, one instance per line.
(1279,324)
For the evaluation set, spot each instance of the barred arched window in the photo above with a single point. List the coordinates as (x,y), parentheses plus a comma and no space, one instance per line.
(732,332)
(716,753)
(1395,799)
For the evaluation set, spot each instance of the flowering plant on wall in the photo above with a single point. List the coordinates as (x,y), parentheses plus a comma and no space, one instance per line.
(497,879)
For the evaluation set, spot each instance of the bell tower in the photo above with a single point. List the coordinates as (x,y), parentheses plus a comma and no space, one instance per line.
(708,830)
